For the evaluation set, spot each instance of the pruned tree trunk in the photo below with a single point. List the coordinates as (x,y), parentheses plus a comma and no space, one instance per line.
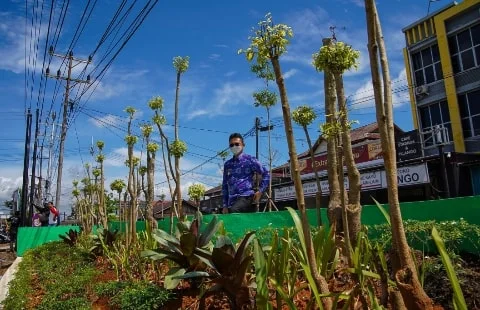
(353,206)
(412,292)
(269,202)
(334,205)
(101,199)
(297,181)
(151,222)
(318,194)
(177,158)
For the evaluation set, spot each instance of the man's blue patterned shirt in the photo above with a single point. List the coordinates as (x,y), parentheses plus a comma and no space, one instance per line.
(238,178)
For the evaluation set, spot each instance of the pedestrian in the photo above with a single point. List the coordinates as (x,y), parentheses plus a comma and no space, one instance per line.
(238,188)
(54,215)
(14,223)
(44,213)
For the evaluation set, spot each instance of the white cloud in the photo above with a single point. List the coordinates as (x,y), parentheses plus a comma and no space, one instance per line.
(214,57)
(117,157)
(118,83)
(363,97)
(230,73)
(290,73)
(7,186)
(226,97)
(12,46)
(221,45)
(107,120)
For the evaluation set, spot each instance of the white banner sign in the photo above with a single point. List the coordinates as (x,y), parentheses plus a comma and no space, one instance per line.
(371,180)
(410,175)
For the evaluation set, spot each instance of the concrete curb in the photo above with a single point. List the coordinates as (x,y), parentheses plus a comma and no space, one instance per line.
(9,275)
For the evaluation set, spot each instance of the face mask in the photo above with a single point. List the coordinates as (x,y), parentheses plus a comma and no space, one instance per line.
(236,149)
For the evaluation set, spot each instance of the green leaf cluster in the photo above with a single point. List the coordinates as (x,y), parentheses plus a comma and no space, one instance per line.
(338,58)
(100,144)
(304,115)
(178,148)
(130,111)
(146,130)
(131,140)
(100,158)
(135,161)
(268,41)
(181,63)
(156,103)
(196,191)
(117,185)
(159,119)
(152,147)
(264,98)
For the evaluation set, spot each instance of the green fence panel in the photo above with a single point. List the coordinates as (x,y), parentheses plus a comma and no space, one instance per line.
(31,237)
(237,225)
(467,208)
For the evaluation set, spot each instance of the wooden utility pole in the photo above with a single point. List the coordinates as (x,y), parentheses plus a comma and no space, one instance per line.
(26,158)
(28,220)
(68,86)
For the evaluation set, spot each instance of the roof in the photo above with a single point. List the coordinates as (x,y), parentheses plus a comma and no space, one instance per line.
(359,134)
(421,20)
(366,132)
(159,206)
(213,190)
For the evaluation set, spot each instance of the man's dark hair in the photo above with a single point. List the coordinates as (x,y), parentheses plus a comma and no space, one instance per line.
(235,135)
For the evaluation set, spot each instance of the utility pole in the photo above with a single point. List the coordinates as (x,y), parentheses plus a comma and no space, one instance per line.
(261,129)
(50,155)
(26,159)
(63,133)
(34,163)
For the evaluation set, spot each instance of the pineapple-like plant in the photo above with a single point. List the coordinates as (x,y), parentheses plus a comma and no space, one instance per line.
(232,265)
(190,249)
(71,237)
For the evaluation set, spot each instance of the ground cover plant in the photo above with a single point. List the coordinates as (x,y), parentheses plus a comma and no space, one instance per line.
(268,273)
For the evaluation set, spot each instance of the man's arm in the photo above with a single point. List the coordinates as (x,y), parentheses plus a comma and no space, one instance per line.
(225,187)
(261,170)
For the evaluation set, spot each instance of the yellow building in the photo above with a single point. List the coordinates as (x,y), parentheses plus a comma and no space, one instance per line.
(442,57)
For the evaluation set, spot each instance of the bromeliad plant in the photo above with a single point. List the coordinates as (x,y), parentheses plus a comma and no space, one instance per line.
(231,265)
(103,241)
(71,237)
(190,249)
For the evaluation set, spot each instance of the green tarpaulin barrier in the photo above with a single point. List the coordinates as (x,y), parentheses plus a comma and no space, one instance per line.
(236,225)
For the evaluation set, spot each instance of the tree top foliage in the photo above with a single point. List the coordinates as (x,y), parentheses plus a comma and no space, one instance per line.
(338,58)
(268,41)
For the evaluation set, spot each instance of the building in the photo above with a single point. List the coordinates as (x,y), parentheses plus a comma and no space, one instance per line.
(414,172)
(163,209)
(442,57)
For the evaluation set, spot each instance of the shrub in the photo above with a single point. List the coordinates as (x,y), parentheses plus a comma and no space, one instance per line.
(457,235)
(133,295)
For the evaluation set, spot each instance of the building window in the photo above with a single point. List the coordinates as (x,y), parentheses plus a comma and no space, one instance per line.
(465,49)
(432,116)
(469,104)
(426,66)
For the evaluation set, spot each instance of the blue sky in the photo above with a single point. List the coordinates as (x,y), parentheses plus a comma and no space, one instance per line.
(216,91)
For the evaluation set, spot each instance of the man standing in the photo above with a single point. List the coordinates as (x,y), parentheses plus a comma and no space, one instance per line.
(238,186)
